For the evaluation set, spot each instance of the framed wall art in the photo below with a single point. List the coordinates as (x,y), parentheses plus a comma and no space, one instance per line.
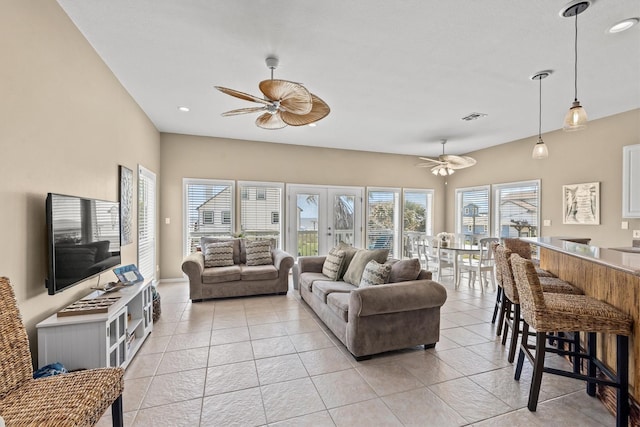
(126,205)
(581,203)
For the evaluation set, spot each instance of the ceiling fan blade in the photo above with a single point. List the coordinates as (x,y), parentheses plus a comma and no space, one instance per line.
(270,121)
(319,111)
(436,161)
(242,95)
(293,97)
(243,111)
(458,162)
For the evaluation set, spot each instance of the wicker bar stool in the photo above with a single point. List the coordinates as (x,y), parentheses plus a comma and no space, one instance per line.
(523,249)
(75,399)
(499,292)
(560,312)
(510,314)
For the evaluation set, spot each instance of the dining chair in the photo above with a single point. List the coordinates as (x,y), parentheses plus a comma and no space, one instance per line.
(481,265)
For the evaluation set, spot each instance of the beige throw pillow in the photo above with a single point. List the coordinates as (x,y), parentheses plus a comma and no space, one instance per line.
(360,261)
(405,270)
(258,252)
(218,254)
(349,252)
(333,263)
(375,274)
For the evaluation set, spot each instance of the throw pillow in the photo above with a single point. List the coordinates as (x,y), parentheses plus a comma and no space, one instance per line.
(258,252)
(359,262)
(375,274)
(236,245)
(405,270)
(333,263)
(218,254)
(349,252)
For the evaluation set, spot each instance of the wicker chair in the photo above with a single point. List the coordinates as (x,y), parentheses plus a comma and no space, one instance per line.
(499,292)
(553,312)
(523,249)
(75,399)
(510,314)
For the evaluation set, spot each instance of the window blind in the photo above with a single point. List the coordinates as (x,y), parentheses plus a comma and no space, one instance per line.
(473,211)
(146,223)
(260,209)
(201,198)
(517,208)
(383,226)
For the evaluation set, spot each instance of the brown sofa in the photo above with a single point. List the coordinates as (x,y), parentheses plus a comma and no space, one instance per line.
(238,279)
(374,319)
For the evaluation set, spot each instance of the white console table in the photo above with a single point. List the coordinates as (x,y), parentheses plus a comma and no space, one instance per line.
(109,339)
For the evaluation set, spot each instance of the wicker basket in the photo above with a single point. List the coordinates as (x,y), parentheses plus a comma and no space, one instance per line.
(157,310)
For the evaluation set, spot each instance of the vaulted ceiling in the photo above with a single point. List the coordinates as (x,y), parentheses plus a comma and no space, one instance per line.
(398,75)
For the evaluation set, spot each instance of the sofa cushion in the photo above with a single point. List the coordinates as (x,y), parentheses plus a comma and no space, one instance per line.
(306,279)
(258,272)
(322,288)
(258,252)
(221,274)
(338,302)
(218,254)
(236,245)
(349,252)
(375,274)
(333,263)
(405,270)
(359,262)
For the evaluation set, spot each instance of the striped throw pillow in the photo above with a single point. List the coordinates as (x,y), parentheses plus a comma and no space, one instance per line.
(375,274)
(258,252)
(218,254)
(333,263)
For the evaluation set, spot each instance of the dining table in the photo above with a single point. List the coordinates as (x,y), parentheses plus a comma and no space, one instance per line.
(455,251)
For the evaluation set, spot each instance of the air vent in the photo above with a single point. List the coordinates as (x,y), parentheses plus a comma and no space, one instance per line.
(473,116)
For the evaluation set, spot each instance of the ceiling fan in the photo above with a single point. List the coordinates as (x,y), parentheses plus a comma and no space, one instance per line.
(284,103)
(446,164)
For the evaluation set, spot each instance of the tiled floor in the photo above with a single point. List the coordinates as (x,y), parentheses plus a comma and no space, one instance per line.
(269,361)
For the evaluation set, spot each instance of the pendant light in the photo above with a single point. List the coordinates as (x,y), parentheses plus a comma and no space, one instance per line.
(576,118)
(540,150)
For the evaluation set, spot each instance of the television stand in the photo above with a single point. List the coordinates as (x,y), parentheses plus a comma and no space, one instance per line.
(108,339)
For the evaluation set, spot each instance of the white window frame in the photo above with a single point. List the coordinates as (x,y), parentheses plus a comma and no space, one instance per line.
(497,188)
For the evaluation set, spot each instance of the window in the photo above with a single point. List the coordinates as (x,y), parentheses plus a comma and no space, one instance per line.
(517,209)
(146,223)
(207,217)
(226,217)
(260,217)
(244,194)
(201,197)
(472,211)
(383,224)
(416,219)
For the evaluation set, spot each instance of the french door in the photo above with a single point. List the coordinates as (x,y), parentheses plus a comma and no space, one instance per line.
(320,217)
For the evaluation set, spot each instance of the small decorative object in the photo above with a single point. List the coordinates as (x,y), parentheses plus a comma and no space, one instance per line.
(89,306)
(156,304)
(128,274)
(581,203)
(126,205)
(444,238)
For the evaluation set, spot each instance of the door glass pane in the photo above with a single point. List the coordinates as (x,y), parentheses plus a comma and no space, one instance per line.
(343,219)
(307,224)
(415,213)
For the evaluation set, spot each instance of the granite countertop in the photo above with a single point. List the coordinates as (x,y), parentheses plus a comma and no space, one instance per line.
(623,259)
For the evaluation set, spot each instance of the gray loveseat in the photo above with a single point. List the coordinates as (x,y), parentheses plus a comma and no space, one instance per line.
(374,319)
(238,279)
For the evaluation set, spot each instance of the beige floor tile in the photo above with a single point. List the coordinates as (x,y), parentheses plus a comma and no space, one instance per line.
(231,377)
(501,384)
(183,360)
(342,388)
(466,361)
(429,369)
(241,408)
(180,414)
(388,378)
(154,344)
(143,365)
(495,352)
(461,318)
(270,347)
(228,336)
(444,344)
(176,387)
(190,340)
(485,330)
(106,420)
(134,392)
(281,368)
(290,399)
(293,314)
(301,326)
(230,353)
(229,322)
(192,325)
(366,414)
(268,330)
(469,399)
(324,361)
(260,319)
(317,419)
(310,341)
(161,329)
(422,407)
(463,336)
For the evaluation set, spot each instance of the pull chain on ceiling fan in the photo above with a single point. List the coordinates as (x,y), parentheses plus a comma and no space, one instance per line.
(285,102)
(446,164)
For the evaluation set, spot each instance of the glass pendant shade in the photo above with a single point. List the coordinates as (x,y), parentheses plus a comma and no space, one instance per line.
(576,118)
(442,170)
(540,150)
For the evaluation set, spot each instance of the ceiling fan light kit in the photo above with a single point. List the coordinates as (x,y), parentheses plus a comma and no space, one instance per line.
(576,118)
(446,164)
(285,103)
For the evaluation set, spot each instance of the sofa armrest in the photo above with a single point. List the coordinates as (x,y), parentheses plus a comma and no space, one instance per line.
(396,297)
(193,266)
(282,260)
(310,264)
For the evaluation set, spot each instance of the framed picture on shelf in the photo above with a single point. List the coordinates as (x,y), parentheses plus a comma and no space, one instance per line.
(126,205)
(128,274)
(581,203)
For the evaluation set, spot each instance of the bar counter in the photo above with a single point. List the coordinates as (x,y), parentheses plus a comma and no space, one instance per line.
(609,275)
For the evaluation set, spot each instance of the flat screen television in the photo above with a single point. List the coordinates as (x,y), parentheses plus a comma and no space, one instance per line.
(83,239)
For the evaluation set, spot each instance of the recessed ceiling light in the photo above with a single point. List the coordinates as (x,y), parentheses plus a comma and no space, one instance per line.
(183,109)
(623,25)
